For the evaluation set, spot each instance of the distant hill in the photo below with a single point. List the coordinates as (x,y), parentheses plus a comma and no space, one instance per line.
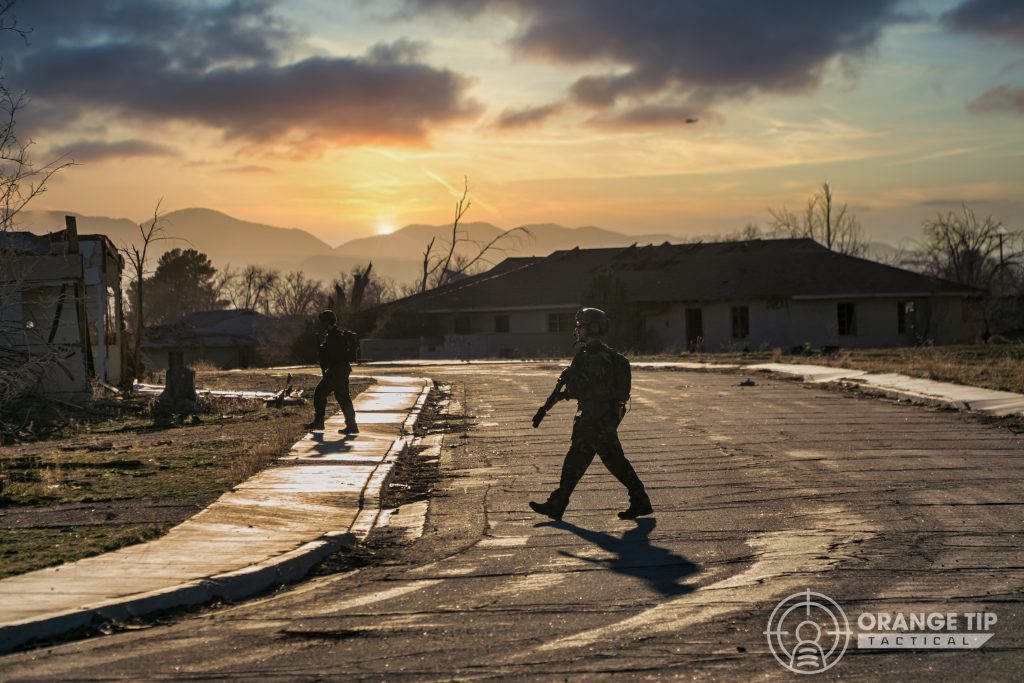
(542,240)
(405,247)
(221,237)
(227,240)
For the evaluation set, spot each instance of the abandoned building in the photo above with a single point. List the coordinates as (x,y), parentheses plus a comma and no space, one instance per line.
(60,296)
(226,339)
(747,295)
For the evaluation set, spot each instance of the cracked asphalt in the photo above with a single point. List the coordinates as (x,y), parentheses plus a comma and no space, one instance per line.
(760,492)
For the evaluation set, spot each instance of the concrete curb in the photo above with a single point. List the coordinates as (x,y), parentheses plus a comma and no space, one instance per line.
(285,568)
(380,479)
(890,385)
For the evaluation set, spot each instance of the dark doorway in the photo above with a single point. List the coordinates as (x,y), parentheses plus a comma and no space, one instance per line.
(694,329)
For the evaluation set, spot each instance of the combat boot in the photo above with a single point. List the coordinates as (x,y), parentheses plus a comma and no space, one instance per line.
(637,507)
(548,508)
(315,425)
(350,429)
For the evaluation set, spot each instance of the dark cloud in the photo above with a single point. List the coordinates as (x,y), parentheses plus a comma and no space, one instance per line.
(529,116)
(698,53)
(1001,18)
(228,65)
(99,150)
(192,35)
(999,100)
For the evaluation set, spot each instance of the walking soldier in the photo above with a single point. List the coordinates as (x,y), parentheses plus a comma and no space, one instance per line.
(338,350)
(599,379)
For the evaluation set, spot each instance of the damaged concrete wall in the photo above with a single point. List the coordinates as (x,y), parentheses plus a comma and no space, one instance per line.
(61,311)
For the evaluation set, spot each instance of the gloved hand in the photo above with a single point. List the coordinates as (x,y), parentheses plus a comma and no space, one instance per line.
(620,412)
(539,417)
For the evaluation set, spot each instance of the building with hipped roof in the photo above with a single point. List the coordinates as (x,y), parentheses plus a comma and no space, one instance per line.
(234,338)
(755,294)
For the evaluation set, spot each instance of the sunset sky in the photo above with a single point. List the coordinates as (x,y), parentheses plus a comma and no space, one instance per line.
(353,118)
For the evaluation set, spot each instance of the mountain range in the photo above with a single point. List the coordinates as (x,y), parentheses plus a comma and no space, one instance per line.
(229,241)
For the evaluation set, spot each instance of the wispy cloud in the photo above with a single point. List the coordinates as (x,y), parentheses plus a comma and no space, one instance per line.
(249,169)
(511,119)
(100,150)
(1000,99)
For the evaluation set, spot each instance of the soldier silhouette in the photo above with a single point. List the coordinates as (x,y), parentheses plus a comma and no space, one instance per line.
(337,351)
(599,379)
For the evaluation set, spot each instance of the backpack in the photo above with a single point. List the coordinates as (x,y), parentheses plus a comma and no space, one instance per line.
(340,346)
(351,340)
(622,377)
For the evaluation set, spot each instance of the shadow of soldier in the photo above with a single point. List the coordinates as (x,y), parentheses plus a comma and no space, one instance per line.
(331,446)
(635,555)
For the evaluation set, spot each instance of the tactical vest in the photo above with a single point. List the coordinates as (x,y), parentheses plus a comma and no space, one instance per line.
(339,347)
(599,374)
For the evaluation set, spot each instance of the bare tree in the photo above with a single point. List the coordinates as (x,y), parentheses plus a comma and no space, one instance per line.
(442,269)
(367,289)
(823,221)
(222,283)
(964,248)
(461,207)
(360,280)
(980,253)
(296,295)
(21,180)
(253,288)
(427,270)
(137,256)
(751,231)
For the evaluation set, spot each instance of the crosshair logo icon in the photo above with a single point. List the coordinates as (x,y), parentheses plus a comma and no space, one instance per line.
(808,632)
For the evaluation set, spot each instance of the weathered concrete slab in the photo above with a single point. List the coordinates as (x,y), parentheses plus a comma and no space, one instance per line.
(809,373)
(270,529)
(894,385)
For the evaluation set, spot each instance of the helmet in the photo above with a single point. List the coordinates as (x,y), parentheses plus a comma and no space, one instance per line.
(328,318)
(594,320)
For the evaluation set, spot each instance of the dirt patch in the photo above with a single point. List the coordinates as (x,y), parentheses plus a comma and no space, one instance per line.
(116,481)
(413,479)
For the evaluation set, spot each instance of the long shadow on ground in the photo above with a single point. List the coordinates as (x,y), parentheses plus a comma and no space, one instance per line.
(635,555)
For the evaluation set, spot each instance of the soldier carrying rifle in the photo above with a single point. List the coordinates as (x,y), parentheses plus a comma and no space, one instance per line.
(599,379)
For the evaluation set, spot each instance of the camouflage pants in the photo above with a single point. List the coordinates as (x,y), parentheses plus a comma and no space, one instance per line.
(595,433)
(335,381)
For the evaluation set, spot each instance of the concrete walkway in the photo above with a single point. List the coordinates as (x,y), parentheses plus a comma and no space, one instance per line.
(267,531)
(892,385)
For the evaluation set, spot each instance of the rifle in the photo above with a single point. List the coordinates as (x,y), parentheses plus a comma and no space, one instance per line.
(557,395)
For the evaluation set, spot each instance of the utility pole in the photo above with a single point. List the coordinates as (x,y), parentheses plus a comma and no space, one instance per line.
(1002,264)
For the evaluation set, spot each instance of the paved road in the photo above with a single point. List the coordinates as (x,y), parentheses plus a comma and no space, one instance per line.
(760,492)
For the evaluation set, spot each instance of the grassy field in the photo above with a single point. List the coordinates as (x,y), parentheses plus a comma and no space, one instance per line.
(113,478)
(995,366)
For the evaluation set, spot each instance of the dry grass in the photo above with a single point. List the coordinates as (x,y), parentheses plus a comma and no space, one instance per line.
(990,367)
(125,459)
